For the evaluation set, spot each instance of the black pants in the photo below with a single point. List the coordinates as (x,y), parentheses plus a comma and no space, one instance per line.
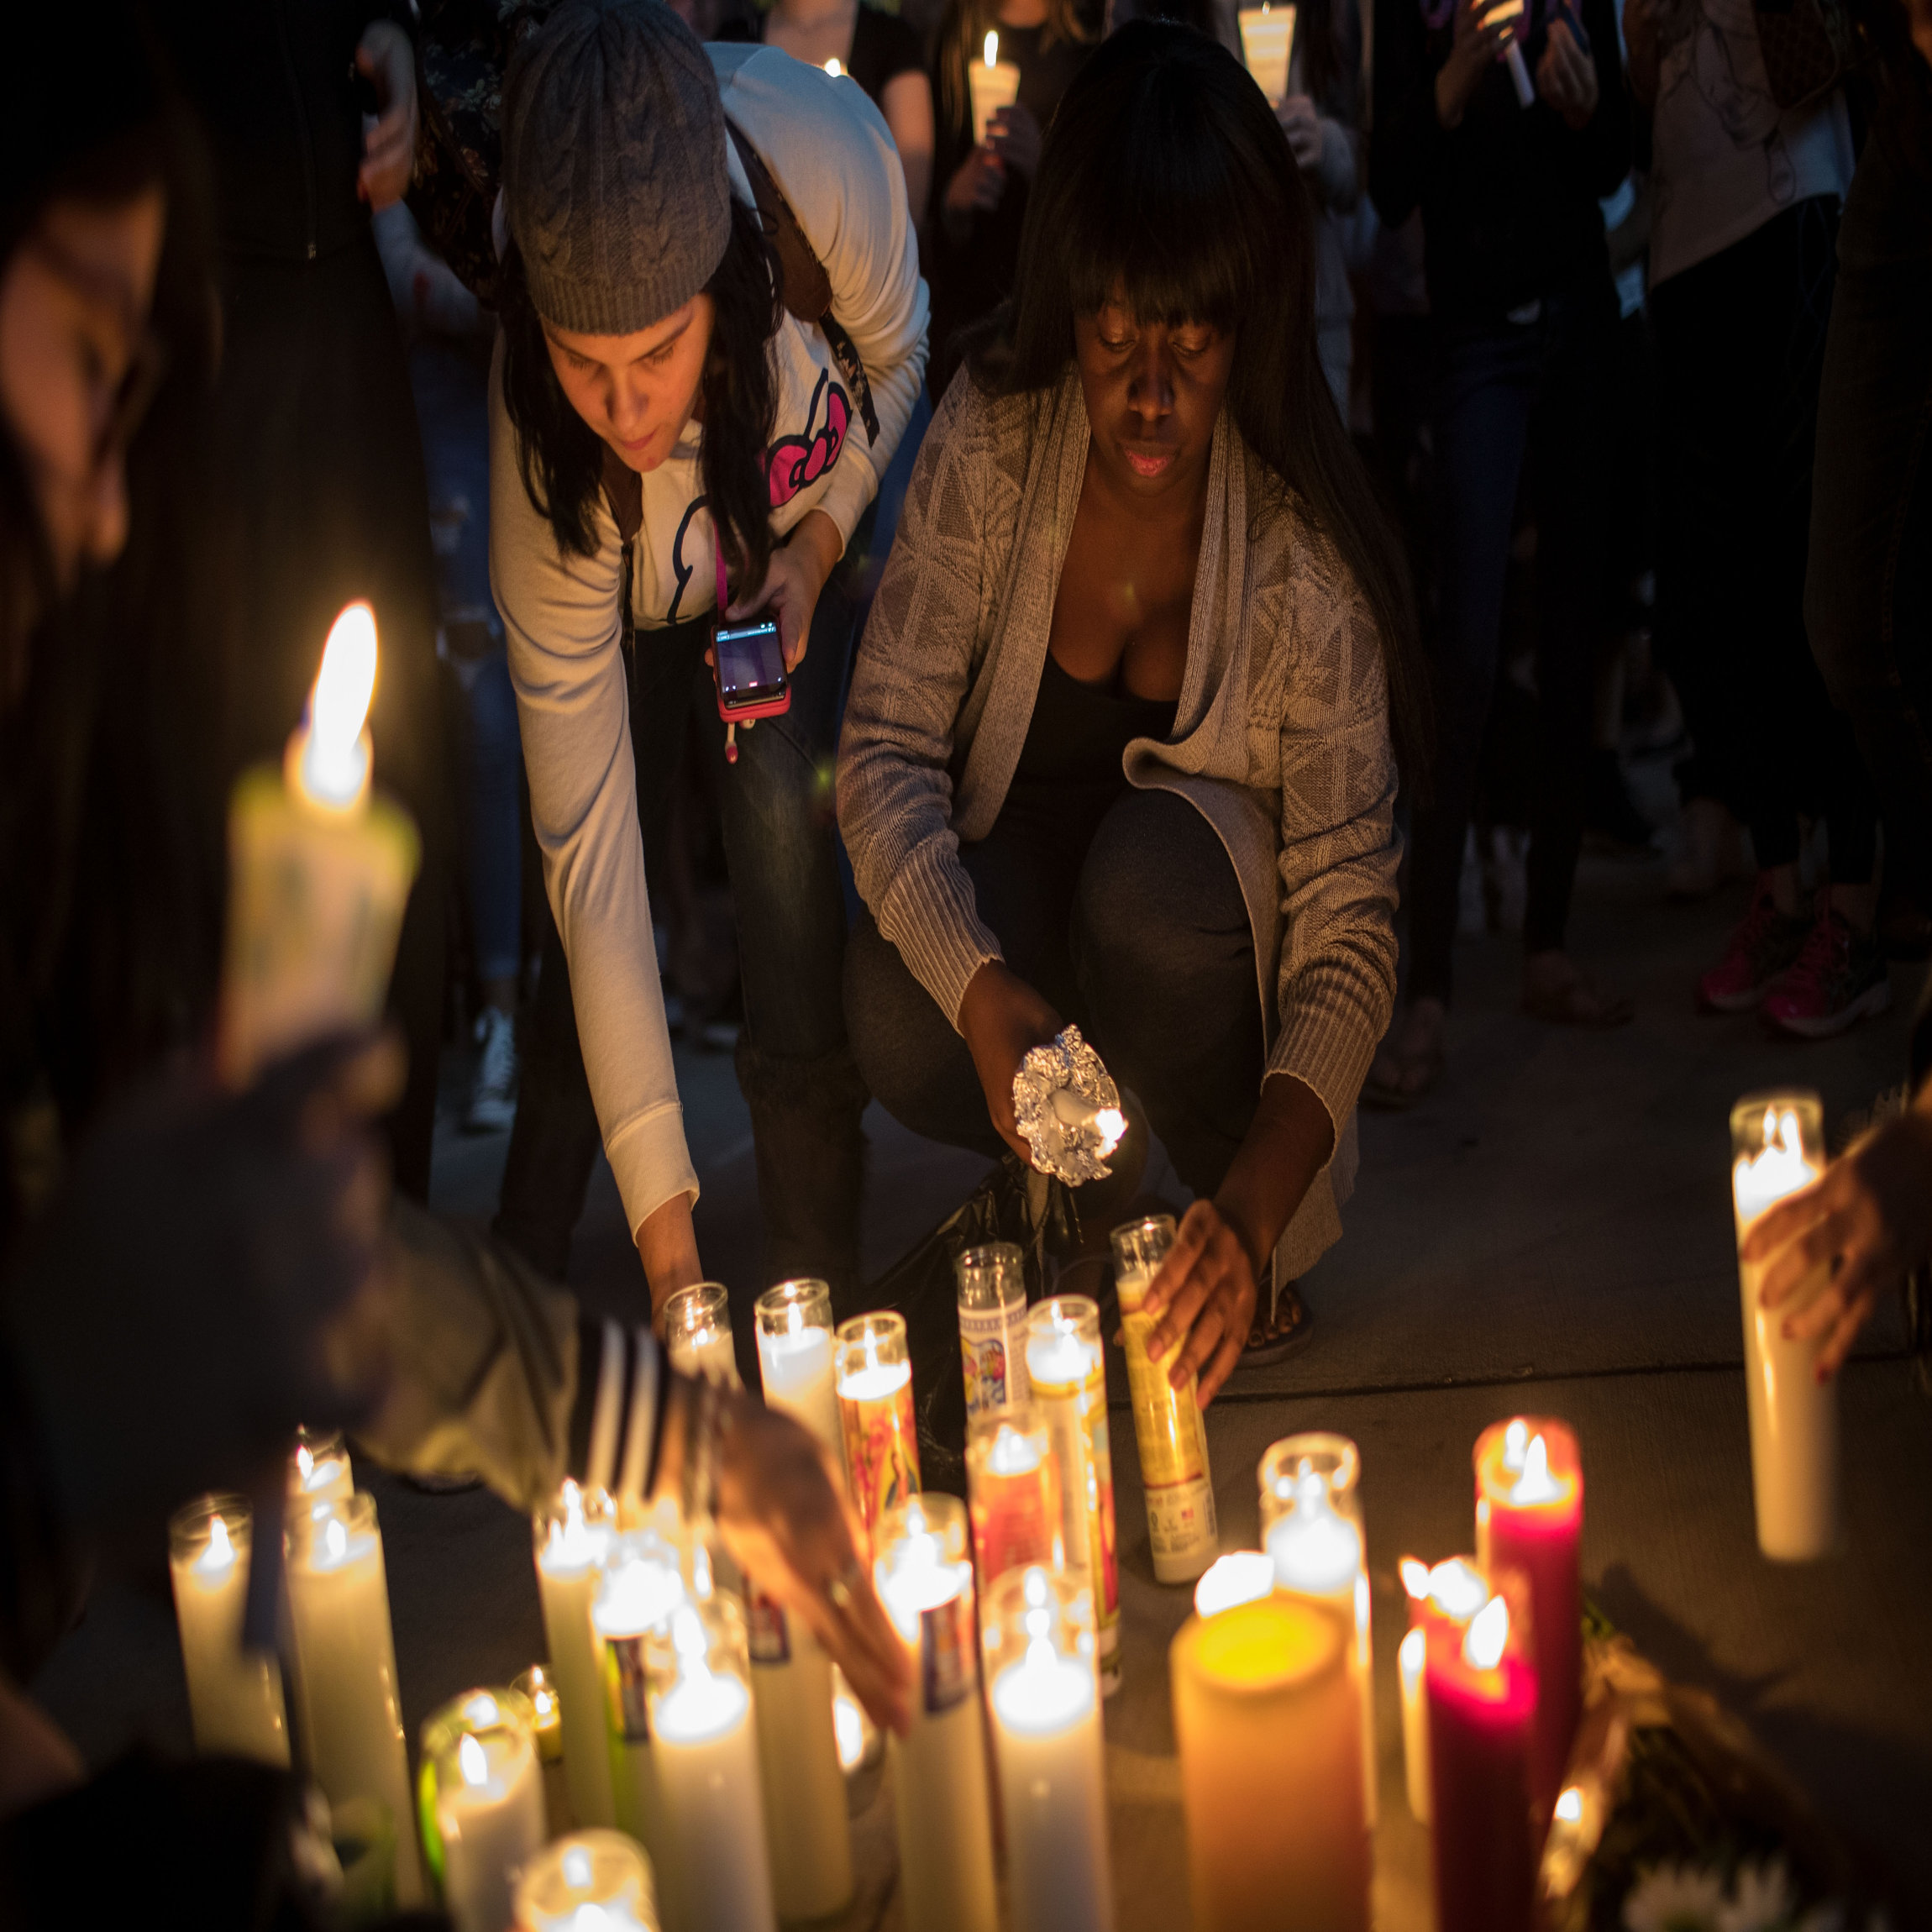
(1868,601)
(1741,346)
(1141,937)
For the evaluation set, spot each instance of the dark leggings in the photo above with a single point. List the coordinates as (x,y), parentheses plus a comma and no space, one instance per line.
(1142,939)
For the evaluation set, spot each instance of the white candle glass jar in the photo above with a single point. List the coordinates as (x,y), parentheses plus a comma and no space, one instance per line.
(1778,1146)
(795,1348)
(697,1333)
(592,1881)
(1311,1525)
(875,1416)
(234,1694)
(318,1468)
(480,1804)
(992,1289)
(1045,1694)
(572,1535)
(641,1585)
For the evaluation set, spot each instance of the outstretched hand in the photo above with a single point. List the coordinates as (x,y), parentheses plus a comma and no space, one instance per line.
(1205,1294)
(387,59)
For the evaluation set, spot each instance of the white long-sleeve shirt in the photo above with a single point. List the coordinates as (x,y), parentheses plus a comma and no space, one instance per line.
(829,151)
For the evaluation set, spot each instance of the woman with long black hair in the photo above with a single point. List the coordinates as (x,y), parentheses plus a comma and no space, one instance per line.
(1118,747)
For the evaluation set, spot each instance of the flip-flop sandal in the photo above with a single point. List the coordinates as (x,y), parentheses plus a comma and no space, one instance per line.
(1276,1336)
(1579,1004)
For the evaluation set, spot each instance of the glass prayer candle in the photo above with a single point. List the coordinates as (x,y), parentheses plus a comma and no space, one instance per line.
(795,1357)
(1778,1146)
(481,1804)
(1013,1492)
(641,1585)
(875,1414)
(1045,1695)
(590,1881)
(1169,1430)
(1270,1738)
(318,1469)
(992,1284)
(573,1533)
(1069,1372)
(1530,1520)
(1486,1832)
(234,1694)
(345,1660)
(925,1579)
(1311,1525)
(705,1753)
(697,1333)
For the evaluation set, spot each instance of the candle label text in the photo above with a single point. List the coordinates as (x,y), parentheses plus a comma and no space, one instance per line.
(767,1638)
(946,1654)
(993,1350)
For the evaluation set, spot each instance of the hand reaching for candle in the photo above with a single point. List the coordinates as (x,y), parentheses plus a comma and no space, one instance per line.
(1002,1018)
(1868,1217)
(386,58)
(1480,37)
(1204,1293)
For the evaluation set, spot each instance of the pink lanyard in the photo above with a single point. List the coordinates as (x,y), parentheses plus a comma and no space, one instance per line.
(717,547)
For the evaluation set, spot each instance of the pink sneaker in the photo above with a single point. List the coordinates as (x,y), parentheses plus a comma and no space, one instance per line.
(1837,980)
(1765,943)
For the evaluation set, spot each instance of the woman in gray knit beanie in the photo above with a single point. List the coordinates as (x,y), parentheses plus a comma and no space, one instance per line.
(665,420)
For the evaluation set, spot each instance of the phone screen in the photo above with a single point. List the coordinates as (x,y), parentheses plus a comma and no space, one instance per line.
(750,663)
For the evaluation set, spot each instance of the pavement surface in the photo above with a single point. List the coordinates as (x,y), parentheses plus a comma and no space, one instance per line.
(1551,1232)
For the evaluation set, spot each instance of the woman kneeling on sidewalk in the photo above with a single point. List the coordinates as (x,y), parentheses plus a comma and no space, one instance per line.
(1117,748)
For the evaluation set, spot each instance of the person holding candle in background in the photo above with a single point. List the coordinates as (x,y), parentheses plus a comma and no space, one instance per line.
(1050,805)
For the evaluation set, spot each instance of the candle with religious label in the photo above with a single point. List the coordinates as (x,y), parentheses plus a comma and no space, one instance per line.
(572,1534)
(1046,1702)
(697,1333)
(487,1803)
(1270,1740)
(1482,1726)
(319,870)
(345,1659)
(925,1577)
(1778,1146)
(593,1881)
(1013,1493)
(1530,1520)
(992,1284)
(795,1357)
(1450,1594)
(993,84)
(234,1695)
(875,1414)
(1168,1429)
(1311,1525)
(318,1469)
(1266,44)
(706,1763)
(1069,1378)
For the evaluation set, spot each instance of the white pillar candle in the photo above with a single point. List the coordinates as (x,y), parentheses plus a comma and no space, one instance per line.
(697,1333)
(590,1881)
(1046,1702)
(1267,45)
(234,1695)
(795,1357)
(490,1812)
(318,1469)
(1778,1143)
(572,1535)
(706,1758)
(939,1790)
(993,84)
(1414,1723)
(345,1656)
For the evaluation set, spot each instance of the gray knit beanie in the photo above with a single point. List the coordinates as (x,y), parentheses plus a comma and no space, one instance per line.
(614,180)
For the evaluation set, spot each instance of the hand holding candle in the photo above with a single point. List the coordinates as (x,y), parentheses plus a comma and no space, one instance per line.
(1266,46)
(993,84)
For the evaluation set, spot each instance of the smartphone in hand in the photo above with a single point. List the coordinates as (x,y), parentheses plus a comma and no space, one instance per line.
(747,661)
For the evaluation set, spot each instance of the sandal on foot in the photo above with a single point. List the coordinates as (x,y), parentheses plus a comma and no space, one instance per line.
(1578,1003)
(1280,1334)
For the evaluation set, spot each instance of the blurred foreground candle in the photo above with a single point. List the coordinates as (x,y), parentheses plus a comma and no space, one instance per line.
(993,84)
(1046,1700)
(572,1533)
(318,1469)
(1778,1146)
(1482,1721)
(234,1695)
(1530,1520)
(590,1881)
(1267,42)
(1450,1594)
(1013,1493)
(706,1762)
(939,1790)
(485,1793)
(1266,1717)
(345,1658)
(1068,1373)
(1169,1428)
(535,1688)
(641,1588)
(1409,1659)
(1311,1525)
(318,873)
(875,1414)
(859,1740)
(697,1333)
(1241,1577)
(795,1357)
(992,1284)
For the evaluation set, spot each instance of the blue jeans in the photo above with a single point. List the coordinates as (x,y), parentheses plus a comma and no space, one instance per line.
(780,849)
(1513,398)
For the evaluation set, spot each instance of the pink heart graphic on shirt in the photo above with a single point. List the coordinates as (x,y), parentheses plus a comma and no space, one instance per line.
(793,462)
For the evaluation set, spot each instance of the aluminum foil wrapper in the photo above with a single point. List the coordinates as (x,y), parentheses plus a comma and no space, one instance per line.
(1073,1149)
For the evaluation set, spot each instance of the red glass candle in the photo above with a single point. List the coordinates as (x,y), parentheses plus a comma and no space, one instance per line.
(1530,1519)
(1482,1700)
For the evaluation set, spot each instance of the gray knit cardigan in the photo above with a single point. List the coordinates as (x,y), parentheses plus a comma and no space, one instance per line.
(1281,740)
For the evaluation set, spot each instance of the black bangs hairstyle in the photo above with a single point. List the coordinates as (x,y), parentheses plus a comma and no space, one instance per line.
(1166,180)
(562,458)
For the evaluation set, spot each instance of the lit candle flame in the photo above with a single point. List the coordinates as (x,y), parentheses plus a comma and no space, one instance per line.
(1536,1484)
(304,1463)
(220,1552)
(1242,1577)
(334,1540)
(472,1762)
(332,770)
(1515,1444)
(992,48)
(1456,1588)
(1410,1654)
(482,1710)
(1488,1635)
(1415,1577)
(833,68)
(1570,1805)
(849,1725)
(577,1869)
(1111,1124)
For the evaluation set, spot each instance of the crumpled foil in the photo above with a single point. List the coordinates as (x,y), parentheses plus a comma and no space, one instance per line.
(1070,1154)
